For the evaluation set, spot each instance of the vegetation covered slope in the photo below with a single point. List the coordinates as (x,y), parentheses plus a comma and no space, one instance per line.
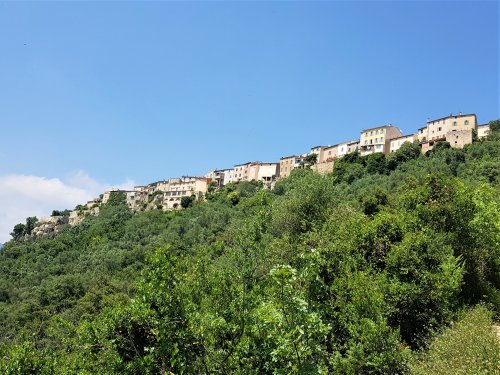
(351,272)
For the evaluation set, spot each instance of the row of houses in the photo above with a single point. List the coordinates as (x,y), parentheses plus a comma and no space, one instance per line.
(166,195)
(458,130)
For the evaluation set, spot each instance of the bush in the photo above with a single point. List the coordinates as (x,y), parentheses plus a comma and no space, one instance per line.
(470,346)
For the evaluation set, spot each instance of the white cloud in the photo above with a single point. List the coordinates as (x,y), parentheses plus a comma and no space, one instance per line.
(23,195)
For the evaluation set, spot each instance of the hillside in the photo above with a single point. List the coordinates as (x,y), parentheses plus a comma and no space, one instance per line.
(356,271)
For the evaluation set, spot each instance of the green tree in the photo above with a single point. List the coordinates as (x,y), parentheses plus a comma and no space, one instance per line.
(494,125)
(309,160)
(376,163)
(19,231)
(30,224)
(187,201)
(408,151)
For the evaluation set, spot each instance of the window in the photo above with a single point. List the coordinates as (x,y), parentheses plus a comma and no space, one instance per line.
(439,129)
(466,122)
(454,123)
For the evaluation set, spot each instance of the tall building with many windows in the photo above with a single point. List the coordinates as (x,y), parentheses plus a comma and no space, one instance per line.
(378,139)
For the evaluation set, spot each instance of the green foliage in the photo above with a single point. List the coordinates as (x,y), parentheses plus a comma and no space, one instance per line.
(470,346)
(408,151)
(376,163)
(309,160)
(346,273)
(60,213)
(494,125)
(116,198)
(187,201)
(18,231)
(24,359)
(440,145)
(22,230)
(234,197)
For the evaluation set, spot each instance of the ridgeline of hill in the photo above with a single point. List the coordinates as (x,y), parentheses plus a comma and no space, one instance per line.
(358,271)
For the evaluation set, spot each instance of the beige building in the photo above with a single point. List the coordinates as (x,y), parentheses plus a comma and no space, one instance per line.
(319,151)
(378,139)
(459,138)
(241,172)
(268,172)
(422,134)
(483,130)
(265,172)
(454,129)
(396,143)
(288,164)
(183,187)
(437,129)
(329,153)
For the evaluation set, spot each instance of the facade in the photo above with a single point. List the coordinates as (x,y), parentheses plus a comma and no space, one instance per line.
(483,130)
(422,134)
(228,176)
(268,172)
(378,139)
(346,148)
(161,186)
(288,164)
(453,129)
(459,138)
(396,143)
(241,172)
(319,151)
(183,187)
(221,176)
(437,129)
(329,153)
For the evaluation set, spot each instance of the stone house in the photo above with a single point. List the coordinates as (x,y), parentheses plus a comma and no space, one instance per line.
(455,129)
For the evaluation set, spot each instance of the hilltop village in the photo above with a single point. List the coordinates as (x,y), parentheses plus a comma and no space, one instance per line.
(458,130)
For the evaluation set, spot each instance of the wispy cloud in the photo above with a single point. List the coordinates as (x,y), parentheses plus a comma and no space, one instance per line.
(24,195)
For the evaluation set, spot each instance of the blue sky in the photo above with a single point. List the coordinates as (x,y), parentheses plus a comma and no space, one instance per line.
(139,91)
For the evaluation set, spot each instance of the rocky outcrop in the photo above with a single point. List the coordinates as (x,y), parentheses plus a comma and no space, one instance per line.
(49,225)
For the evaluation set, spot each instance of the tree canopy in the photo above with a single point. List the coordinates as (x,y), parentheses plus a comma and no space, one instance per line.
(358,271)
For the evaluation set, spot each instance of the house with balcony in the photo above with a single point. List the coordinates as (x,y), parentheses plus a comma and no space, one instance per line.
(288,164)
(378,139)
